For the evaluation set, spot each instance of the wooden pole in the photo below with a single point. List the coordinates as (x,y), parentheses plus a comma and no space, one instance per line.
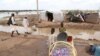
(37,10)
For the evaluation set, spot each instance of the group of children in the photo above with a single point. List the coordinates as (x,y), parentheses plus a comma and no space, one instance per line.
(62,36)
(61,44)
(12,23)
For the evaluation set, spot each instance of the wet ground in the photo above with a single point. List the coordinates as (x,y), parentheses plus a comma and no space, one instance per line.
(24,46)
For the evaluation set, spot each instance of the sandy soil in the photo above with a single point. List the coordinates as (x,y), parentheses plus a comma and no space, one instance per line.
(33,20)
(35,45)
(70,25)
(32,45)
(23,46)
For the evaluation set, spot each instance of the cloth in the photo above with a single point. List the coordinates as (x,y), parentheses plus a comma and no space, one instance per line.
(81,17)
(13,20)
(12,24)
(92,49)
(62,29)
(25,24)
(52,39)
(69,39)
(97,51)
(13,27)
(61,52)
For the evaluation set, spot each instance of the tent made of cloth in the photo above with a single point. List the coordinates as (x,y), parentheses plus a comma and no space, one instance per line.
(57,16)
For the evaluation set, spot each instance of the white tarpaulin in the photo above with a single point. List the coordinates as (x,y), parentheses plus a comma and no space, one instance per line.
(57,16)
(43,15)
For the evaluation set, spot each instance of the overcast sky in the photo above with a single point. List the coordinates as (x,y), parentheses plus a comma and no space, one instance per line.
(49,4)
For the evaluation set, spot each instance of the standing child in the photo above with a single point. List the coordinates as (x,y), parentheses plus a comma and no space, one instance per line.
(62,28)
(52,37)
(26,24)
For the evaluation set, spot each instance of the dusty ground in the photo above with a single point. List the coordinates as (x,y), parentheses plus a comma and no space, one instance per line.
(32,45)
(69,25)
(33,20)
(37,45)
(23,46)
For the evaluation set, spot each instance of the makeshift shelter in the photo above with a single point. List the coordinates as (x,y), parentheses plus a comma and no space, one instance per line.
(73,17)
(55,17)
(43,16)
(93,18)
(58,16)
(77,18)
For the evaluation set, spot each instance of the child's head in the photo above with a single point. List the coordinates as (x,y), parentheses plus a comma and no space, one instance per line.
(13,14)
(52,30)
(25,17)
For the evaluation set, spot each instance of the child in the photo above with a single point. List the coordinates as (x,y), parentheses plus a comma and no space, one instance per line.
(52,36)
(26,24)
(62,28)
(13,24)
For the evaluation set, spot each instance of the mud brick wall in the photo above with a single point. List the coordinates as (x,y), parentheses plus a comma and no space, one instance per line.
(93,18)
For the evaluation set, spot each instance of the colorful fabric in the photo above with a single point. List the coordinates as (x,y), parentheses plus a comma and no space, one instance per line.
(69,39)
(61,52)
(97,51)
(62,29)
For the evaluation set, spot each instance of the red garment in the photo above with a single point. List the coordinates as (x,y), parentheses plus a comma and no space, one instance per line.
(69,39)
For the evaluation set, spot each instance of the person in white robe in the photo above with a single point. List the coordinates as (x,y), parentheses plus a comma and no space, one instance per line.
(52,37)
(25,23)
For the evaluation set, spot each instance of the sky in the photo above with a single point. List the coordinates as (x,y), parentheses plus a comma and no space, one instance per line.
(50,4)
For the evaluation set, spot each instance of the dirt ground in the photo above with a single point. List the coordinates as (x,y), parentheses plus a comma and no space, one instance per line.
(36,45)
(23,46)
(32,45)
(69,25)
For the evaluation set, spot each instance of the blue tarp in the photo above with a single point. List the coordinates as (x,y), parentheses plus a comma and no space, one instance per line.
(97,51)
